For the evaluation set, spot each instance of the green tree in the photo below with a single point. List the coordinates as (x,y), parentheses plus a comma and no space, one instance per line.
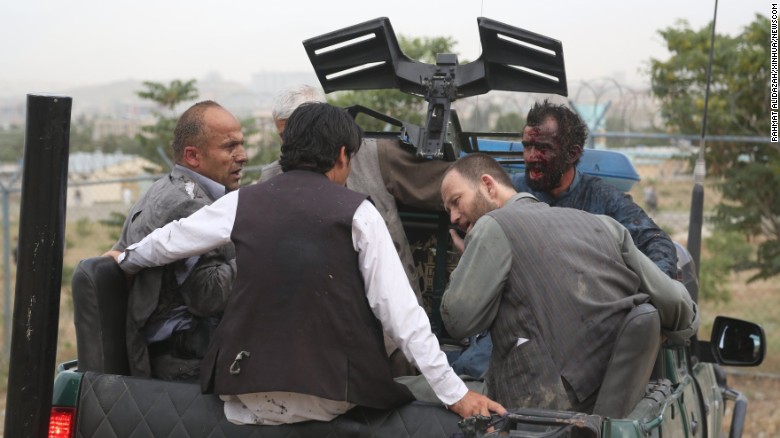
(262,147)
(118,143)
(169,96)
(483,112)
(739,97)
(725,251)
(81,132)
(394,103)
(509,122)
(159,136)
(11,143)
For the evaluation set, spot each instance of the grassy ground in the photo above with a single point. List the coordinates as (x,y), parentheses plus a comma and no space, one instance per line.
(758,301)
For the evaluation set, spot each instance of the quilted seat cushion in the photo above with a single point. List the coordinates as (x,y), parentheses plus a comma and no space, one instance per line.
(121,406)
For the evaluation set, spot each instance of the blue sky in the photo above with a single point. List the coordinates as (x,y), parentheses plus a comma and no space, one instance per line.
(81,42)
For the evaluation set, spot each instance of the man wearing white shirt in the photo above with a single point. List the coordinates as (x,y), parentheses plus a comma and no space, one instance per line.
(318,282)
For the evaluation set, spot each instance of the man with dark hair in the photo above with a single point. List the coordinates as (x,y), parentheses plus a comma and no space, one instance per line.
(553,285)
(301,338)
(173,309)
(365,177)
(553,140)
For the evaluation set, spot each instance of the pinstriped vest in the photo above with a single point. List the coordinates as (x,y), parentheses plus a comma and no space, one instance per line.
(564,301)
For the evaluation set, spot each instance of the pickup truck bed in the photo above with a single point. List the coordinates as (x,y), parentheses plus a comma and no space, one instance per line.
(110,405)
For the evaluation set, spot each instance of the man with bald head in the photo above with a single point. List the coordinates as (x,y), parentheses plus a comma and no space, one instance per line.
(172,310)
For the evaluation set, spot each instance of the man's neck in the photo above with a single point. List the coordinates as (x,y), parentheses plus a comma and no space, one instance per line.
(566,179)
(504,195)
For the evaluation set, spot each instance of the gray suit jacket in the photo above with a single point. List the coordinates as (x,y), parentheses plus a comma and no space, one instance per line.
(553,286)
(155,291)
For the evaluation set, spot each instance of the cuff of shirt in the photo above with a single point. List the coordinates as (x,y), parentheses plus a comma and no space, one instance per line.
(449,388)
(125,264)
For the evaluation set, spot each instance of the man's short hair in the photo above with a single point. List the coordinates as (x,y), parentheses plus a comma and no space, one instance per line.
(291,98)
(314,135)
(473,166)
(572,130)
(191,129)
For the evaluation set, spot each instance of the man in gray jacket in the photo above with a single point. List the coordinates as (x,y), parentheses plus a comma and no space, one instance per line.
(172,310)
(553,285)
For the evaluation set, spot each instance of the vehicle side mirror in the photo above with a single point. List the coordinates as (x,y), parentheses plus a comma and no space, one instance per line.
(737,343)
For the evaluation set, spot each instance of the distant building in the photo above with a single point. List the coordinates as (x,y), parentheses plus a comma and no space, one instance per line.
(90,167)
(119,127)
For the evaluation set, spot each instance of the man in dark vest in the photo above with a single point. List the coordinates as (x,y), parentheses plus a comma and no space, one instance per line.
(318,281)
(553,285)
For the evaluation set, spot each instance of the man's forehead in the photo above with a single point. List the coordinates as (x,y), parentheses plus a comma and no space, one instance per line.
(547,132)
(453,182)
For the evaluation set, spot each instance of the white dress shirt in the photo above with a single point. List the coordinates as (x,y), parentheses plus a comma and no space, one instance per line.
(387,289)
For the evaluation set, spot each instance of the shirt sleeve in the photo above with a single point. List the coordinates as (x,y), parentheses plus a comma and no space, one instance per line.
(646,234)
(679,314)
(393,302)
(471,301)
(206,229)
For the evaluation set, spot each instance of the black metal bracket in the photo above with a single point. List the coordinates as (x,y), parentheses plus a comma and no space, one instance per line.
(367,56)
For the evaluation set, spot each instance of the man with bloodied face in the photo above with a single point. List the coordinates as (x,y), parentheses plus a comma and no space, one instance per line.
(547,160)
(553,141)
(552,147)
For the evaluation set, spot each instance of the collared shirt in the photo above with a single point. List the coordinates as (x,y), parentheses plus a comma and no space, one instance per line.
(592,194)
(214,189)
(387,289)
(471,301)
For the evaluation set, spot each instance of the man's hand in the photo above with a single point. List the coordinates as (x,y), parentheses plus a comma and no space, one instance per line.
(476,404)
(457,241)
(113,253)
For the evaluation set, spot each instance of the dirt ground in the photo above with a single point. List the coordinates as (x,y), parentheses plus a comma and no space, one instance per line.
(763,415)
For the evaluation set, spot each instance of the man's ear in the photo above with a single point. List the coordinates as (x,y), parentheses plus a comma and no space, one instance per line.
(490,185)
(343,158)
(191,156)
(575,152)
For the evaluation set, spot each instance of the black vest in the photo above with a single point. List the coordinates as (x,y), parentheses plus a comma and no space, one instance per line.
(298,306)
